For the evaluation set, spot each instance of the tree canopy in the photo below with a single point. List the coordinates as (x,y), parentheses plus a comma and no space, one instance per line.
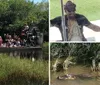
(14,14)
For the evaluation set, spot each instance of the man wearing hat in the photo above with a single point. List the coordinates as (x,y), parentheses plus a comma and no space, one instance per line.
(74,22)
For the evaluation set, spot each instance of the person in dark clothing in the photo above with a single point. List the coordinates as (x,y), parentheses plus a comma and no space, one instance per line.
(1,41)
(74,23)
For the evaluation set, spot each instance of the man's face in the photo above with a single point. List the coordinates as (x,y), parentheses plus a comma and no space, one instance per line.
(71,15)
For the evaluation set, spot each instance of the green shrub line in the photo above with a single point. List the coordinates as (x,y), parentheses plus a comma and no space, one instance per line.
(10,66)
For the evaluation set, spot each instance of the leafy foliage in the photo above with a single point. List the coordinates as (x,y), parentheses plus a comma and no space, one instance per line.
(14,14)
(81,52)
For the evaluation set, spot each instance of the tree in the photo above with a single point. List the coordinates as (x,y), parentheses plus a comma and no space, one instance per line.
(81,53)
(15,13)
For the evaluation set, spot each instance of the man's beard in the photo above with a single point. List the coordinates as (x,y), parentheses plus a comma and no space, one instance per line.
(71,17)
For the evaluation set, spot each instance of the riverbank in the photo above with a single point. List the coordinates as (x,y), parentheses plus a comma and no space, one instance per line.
(16,71)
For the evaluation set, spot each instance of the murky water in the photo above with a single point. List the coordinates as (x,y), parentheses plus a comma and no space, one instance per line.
(27,54)
(24,53)
(76,70)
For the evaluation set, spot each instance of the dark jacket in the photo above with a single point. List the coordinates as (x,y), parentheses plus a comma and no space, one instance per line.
(81,20)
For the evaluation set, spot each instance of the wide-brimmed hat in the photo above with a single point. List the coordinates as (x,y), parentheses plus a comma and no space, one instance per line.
(70,6)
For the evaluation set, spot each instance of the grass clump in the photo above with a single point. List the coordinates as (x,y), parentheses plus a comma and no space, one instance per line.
(22,71)
(45,49)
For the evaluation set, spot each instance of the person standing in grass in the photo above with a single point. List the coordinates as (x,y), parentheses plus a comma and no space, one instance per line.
(74,23)
(1,41)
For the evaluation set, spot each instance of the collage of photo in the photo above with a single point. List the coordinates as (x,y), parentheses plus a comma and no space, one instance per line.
(49,42)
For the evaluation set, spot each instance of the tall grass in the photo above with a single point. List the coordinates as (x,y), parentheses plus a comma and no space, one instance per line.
(12,68)
(45,48)
(89,8)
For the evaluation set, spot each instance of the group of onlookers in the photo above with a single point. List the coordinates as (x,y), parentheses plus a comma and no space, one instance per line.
(27,37)
(11,41)
(1,41)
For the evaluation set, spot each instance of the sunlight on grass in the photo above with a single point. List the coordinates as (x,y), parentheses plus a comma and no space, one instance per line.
(10,65)
(89,8)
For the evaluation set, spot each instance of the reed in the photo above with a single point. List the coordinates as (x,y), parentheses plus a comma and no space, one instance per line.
(23,69)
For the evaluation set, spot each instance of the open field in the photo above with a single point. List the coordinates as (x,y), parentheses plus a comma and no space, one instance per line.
(89,8)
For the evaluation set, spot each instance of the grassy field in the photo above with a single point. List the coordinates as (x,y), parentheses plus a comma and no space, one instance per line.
(89,8)
(16,71)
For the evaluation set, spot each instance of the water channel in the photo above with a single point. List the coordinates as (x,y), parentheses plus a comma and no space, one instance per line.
(76,70)
(29,53)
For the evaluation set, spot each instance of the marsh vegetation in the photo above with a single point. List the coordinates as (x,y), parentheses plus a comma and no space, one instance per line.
(76,59)
(16,71)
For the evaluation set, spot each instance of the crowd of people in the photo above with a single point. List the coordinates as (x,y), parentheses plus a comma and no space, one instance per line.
(1,40)
(11,41)
(8,40)
(27,37)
